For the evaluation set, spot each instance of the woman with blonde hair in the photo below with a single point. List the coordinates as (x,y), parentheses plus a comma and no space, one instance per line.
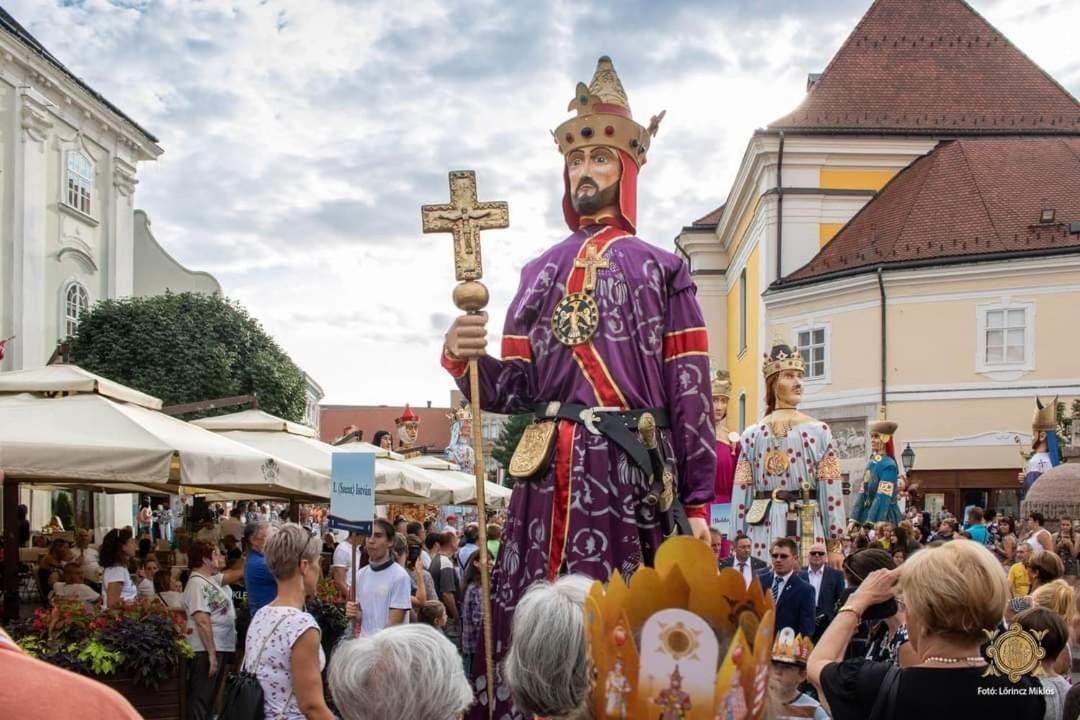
(951,594)
(1060,597)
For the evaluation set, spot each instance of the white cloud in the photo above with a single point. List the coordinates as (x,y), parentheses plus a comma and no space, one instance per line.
(302,136)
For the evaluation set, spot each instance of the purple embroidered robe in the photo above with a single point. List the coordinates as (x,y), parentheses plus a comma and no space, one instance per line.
(584,514)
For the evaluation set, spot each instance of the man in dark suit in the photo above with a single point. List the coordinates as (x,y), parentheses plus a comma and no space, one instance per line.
(794,597)
(746,564)
(828,586)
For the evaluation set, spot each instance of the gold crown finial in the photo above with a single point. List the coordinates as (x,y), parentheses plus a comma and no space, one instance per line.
(1045,419)
(607,86)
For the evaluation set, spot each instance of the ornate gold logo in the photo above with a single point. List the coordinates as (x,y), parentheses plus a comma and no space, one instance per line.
(777,462)
(575,319)
(1015,652)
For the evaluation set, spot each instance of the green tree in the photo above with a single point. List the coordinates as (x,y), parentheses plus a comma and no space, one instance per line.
(508,440)
(186,348)
(64,510)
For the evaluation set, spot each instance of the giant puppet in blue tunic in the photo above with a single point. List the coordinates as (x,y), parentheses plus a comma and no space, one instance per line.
(878,501)
(1044,443)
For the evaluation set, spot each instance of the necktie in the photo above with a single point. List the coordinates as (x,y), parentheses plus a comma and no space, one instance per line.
(742,571)
(777,584)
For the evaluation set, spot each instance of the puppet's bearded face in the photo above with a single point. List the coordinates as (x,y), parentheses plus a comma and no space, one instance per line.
(789,388)
(594,178)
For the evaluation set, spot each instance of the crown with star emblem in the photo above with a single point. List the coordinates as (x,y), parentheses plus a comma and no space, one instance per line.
(782,357)
(681,619)
(603,117)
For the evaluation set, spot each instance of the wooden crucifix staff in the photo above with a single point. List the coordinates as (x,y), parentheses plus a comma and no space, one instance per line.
(464,217)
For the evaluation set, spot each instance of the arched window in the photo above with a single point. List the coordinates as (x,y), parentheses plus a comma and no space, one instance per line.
(80,181)
(76,302)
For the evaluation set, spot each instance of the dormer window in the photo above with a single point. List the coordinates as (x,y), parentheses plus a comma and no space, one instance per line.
(80,181)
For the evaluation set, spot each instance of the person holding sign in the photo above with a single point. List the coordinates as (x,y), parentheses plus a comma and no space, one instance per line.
(383,589)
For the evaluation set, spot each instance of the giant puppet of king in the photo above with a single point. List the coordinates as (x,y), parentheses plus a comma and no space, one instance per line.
(787,463)
(605,329)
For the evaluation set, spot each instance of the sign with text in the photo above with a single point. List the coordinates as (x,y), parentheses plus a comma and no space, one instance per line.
(352,492)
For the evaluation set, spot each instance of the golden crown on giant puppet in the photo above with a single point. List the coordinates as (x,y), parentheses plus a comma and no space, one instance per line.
(792,648)
(1045,419)
(782,357)
(681,636)
(603,117)
(721,383)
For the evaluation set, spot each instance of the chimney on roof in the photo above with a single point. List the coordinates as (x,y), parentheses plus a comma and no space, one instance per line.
(429,404)
(812,80)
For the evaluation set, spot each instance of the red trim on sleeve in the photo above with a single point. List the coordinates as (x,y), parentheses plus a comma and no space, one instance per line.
(457,368)
(693,341)
(516,347)
(697,511)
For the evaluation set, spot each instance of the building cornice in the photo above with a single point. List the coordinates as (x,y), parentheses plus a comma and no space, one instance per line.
(59,89)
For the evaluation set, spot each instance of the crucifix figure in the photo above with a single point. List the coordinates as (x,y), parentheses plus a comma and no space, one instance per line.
(464,217)
(591,263)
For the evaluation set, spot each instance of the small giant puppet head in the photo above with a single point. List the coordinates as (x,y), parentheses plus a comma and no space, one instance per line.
(604,150)
(783,370)
(408,428)
(721,393)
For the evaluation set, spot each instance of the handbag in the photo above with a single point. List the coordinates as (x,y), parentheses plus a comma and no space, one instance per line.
(243,693)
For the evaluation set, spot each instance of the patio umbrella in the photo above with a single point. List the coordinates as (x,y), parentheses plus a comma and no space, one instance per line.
(463,485)
(395,482)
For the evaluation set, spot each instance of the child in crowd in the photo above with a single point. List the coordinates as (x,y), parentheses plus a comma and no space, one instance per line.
(1055,642)
(432,613)
(73,587)
(789,655)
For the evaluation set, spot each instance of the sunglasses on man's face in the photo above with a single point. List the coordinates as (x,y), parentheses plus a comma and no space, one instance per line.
(780,556)
(817,552)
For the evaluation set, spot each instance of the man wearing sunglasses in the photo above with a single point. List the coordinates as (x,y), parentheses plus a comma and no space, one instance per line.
(792,596)
(828,585)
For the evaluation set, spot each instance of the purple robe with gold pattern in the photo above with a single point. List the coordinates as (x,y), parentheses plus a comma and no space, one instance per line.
(584,514)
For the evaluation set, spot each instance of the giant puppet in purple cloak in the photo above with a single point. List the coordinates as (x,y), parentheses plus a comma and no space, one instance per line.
(604,326)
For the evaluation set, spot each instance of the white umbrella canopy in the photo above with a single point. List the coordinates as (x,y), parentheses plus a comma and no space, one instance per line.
(90,439)
(72,379)
(463,484)
(395,482)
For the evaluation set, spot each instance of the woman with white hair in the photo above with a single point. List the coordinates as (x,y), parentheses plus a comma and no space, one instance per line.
(417,657)
(547,666)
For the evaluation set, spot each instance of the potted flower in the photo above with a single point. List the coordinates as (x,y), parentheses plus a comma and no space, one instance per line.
(137,649)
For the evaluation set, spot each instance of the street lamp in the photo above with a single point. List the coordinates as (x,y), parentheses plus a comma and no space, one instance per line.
(908,458)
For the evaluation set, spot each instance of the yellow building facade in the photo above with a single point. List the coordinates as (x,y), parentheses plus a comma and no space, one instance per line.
(919,280)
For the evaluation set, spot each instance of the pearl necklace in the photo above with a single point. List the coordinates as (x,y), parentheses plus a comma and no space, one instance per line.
(954,660)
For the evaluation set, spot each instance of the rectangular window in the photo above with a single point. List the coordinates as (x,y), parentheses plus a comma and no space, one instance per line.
(742,311)
(80,181)
(1006,339)
(812,346)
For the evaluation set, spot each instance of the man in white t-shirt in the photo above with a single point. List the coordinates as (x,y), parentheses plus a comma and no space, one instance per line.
(383,590)
(234,524)
(73,587)
(339,565)
(86,556)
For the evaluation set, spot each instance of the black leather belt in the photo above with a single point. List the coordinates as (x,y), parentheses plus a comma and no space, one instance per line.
(616,424)
(787,496)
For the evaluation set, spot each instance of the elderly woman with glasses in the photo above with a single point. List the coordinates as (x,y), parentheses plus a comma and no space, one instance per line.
(952,595)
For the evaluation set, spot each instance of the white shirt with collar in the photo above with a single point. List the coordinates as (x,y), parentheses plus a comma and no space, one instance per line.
(815,577)
(747,570)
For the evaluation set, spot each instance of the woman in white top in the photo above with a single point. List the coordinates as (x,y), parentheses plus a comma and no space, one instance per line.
(283,646)
(211,622)
(117,549)
(1038,538)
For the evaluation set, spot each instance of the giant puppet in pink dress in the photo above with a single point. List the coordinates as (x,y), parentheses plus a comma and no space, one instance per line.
(604,328)
(727,446)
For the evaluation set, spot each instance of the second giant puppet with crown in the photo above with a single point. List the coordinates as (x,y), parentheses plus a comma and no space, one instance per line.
(787,465)
(604,333)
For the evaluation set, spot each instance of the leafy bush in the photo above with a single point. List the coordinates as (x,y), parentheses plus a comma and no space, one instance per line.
(144,640)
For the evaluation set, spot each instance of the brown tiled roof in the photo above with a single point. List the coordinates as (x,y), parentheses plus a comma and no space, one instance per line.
(710,220)
(966,198)
(935,67)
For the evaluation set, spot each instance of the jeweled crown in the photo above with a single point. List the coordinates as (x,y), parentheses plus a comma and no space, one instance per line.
(680,617)
(782,357)
(603,117)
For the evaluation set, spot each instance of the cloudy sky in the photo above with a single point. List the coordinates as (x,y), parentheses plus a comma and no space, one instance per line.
(301,137)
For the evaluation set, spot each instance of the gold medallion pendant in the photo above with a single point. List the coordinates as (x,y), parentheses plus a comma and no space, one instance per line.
(776,462)
(575,319)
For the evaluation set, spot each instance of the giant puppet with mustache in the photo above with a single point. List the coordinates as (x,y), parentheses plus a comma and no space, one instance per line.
(605,343)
